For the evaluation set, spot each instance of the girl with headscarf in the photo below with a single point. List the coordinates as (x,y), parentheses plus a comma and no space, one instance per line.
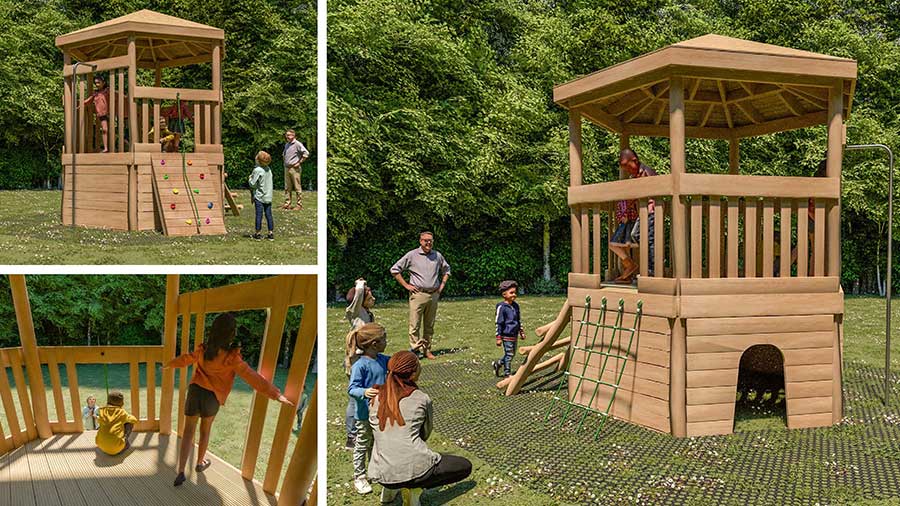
(401,419)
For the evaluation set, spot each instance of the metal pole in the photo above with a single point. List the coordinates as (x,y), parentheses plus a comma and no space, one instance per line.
(887,323)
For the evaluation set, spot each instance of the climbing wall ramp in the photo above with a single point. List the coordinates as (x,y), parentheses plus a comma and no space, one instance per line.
(187,195)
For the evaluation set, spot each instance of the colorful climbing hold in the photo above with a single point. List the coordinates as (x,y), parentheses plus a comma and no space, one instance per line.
(175,191)
(202,176)
(192,163)
(197,191)
(173,205)
(207,221)
(165,176)
(189,222)
(210,205)
(162,162)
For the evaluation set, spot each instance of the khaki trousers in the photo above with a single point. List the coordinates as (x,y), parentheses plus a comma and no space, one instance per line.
(422,312)
(292,184)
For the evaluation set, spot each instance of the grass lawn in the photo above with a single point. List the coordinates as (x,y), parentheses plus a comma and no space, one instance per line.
(520,459)
(31,233)
(229,429)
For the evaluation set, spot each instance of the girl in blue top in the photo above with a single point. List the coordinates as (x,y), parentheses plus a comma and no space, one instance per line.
(369,370)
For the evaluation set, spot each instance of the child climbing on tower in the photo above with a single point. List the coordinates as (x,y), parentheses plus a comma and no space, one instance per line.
(100,99)
(370,369)
(216,361)
(261,191)
(358,312)
(509,326)
(116,425)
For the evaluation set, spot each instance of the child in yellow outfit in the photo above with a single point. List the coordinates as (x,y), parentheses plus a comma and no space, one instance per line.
(115,425)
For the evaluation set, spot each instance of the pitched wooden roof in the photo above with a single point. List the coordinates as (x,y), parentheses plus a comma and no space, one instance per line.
(733,87)
(161,39)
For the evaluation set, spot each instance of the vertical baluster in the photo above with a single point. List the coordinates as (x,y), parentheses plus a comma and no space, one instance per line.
(768,239)
(659,239)
(89,117)
(785,239)
(82,117)
(207,126)
(123,112)
(733,217)
(802,238)
(819,237)
(612,263)
(696,236)
(12,419)
(151,389)
(72,377)
(157,138)
(644,251)
(198,124)
(585,241)
(598,240)
(751,230)
(113,111)
(715,236)
(135,380)
(145,121)
(56,384)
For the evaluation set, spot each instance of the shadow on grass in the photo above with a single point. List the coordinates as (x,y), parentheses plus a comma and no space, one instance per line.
(449,351)
(445,495)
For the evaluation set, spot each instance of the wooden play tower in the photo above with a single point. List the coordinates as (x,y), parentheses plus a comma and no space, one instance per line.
(724,277)
(135,186)
(55,462)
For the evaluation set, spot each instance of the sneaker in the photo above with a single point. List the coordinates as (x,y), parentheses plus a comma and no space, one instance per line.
(270,237)
(389,494)
(179,479)
(496,365)
(361,484)
(203,465)
(257,236)
(351,442)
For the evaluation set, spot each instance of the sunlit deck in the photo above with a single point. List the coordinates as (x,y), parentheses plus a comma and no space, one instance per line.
(69,470)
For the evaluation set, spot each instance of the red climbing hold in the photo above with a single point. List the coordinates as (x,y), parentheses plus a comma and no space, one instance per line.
(202,176)
(172,206)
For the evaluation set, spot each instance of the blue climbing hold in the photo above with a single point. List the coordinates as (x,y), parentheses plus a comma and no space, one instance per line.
(210,205)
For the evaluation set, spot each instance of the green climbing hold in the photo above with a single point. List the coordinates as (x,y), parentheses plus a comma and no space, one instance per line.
(197,191)
(165,176)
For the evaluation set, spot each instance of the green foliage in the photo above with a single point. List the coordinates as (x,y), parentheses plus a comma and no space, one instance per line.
(269,79)
(441,117)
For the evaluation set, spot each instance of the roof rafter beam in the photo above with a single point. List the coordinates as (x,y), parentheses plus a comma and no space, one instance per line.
(791,103)
(815,101)
(628,101)
(636,111)
(706,115)
(661,112)
(694,87)
(747,108)
(598,115)
(723,96)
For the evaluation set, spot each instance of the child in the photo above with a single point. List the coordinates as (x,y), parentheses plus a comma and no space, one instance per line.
(115,425)
(359,313)
(509,326)
(261,189)
(217,361)
(90,414)
(369,370)
(100,99)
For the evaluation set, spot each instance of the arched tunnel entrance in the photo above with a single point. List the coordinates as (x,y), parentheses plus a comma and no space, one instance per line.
(760,400)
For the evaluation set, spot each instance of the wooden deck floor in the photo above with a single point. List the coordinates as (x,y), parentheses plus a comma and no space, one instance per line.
(68,470)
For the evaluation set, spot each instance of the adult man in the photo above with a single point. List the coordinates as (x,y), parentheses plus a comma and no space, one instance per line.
(428,274)
(295,153)
(627,220)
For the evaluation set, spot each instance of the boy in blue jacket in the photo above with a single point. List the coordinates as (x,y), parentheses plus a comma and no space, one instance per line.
(509,326)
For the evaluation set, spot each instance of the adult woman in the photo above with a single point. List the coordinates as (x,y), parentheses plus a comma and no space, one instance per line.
(401,419)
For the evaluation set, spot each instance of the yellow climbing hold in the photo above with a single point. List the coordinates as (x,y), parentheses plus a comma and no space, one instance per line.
(189,222)
(175,191)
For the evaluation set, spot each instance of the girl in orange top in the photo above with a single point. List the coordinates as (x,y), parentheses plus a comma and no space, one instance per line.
(216,361)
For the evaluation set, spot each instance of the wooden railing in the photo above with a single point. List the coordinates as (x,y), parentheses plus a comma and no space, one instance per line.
(206,118)
(738,225)
(11,358)
(594,204)
(81,85)
(735,226)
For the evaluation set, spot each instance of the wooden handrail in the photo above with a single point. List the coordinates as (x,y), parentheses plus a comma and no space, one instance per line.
(171,93)
(625,189)
(760,186)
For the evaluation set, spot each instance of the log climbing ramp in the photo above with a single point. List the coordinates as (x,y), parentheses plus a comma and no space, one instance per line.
(739,260)
(55,462)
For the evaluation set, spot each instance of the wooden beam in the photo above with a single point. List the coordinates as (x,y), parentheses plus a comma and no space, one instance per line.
(171,94)
(781,125)
(723,98)
(751,112)
(791,102)
(678,164)
(815,100)
(599,116)
(301,471)
(132,85)
(833,171)
(30,353)
(170,326)
(706,115)
(629,100)
(574,181)
(734,155)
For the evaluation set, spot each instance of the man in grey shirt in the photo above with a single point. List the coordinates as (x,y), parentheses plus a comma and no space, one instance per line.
(294,154)
(428,274)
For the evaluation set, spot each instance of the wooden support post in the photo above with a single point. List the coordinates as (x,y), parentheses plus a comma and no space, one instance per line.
(678,356)
(678,164)
(598,239)
(833,169)
(170,327)
(68,91)
(217,86)
(734,155)
(82,116)
(113,110)
(575,180)
(123,113)
(132,85)
(302,469)
(624,143)
(303,347)
(184,302)
(268,356)
(30,353)
(87,122)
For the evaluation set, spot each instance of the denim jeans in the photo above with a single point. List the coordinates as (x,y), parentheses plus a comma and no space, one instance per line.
(267,209)
(509,351)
